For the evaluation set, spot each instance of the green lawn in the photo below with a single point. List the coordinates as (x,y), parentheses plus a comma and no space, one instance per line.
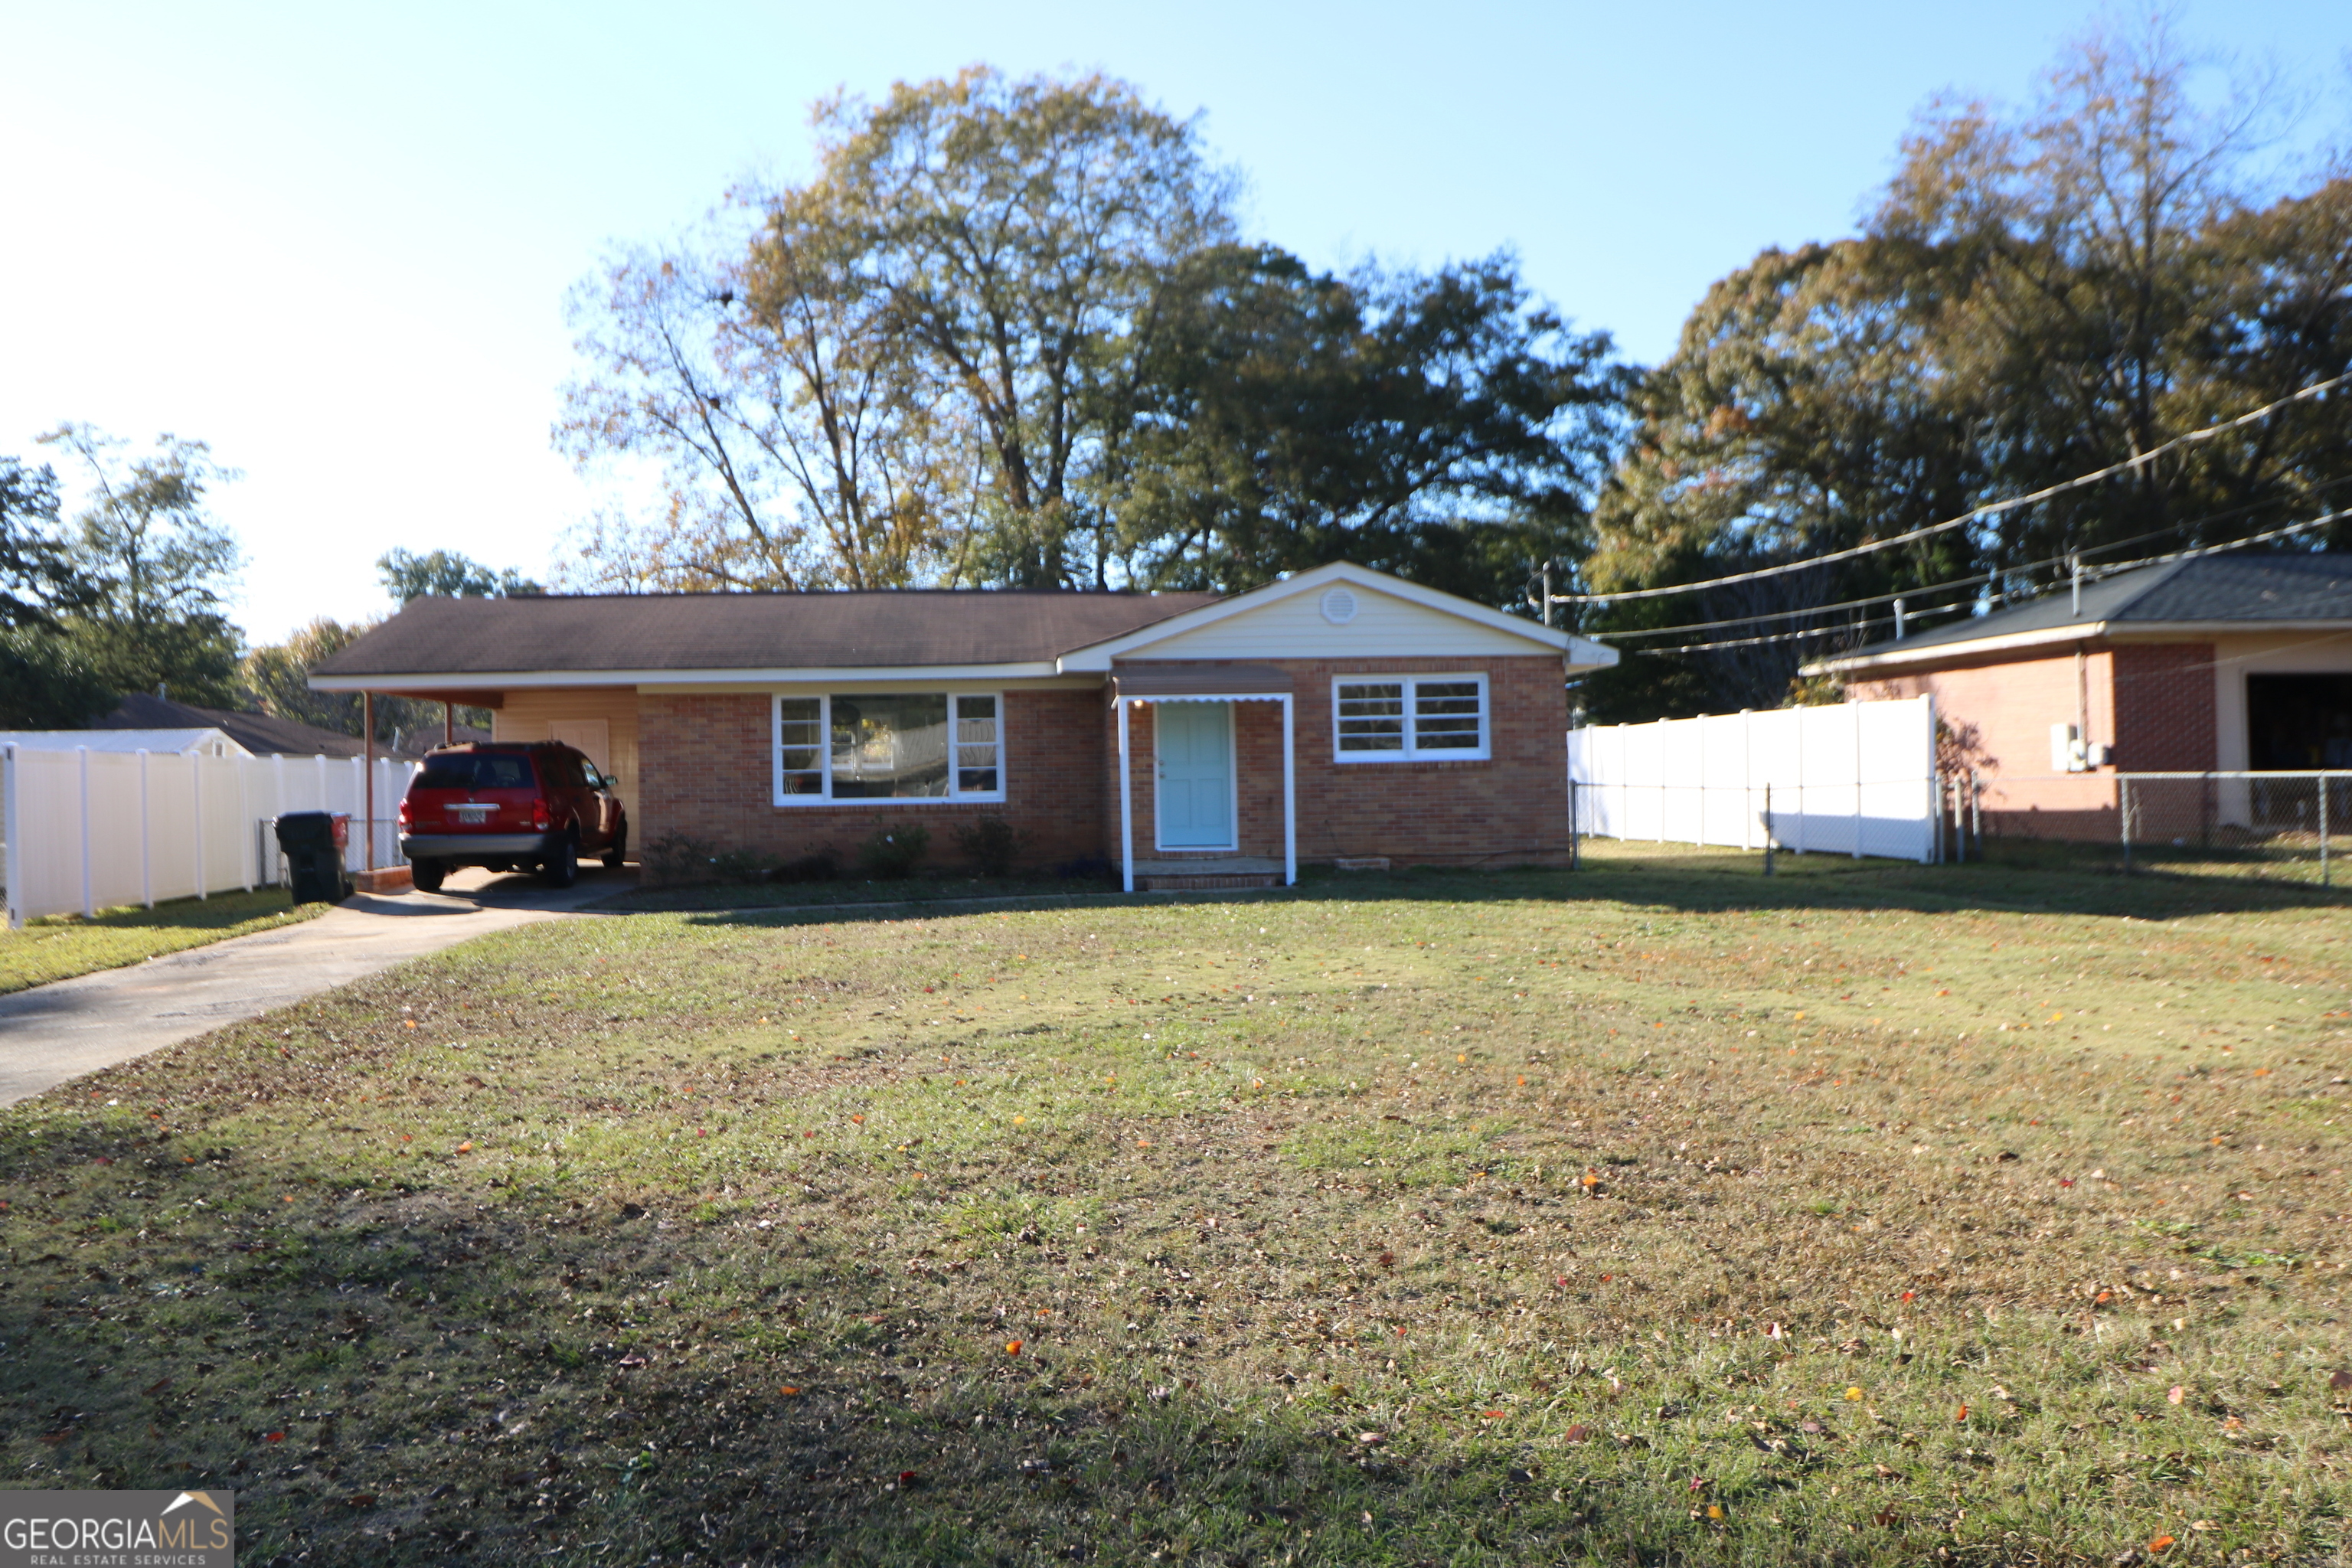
(63,946)
(1654,1213)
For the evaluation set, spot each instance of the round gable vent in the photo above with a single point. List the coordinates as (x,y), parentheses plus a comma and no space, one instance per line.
(1338,606)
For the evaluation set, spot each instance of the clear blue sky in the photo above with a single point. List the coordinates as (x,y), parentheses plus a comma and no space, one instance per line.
(335,240)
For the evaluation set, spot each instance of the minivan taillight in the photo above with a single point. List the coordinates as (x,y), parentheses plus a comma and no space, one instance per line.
(406,816)
(538,816)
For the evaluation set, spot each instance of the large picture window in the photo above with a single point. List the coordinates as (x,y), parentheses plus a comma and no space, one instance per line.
(863,746)
(1409,718)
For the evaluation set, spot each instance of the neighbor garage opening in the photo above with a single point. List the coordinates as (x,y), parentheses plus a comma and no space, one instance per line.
(2298,721)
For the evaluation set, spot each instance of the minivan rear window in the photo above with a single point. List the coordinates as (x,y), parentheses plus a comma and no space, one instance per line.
(477,770)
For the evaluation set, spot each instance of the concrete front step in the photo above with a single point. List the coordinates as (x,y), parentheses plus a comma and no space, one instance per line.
(1174,881)
(1207,871)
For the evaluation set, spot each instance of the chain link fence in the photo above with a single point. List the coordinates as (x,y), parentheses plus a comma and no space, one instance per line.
(2290,825)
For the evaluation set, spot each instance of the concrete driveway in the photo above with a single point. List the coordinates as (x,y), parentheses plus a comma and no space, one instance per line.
(52,1033)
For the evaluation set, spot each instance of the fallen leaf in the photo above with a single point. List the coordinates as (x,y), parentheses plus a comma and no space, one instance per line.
(1715,1511)
(1497,1414)
(789,1392)
(1012,1347)
(1578,1433)
(466,1147)
(905,1479)
(1373,1439)
(2160,1542)
(861,1119)
(1961,1415)
(1853,1395)
(2175,1394)
(2340,1379)
(273,1437)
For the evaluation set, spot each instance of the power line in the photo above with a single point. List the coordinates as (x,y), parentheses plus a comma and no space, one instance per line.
(1991,508)
(2119,566)
(1982,577)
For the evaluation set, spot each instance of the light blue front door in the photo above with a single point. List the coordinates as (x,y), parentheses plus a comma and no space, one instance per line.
(1195,744)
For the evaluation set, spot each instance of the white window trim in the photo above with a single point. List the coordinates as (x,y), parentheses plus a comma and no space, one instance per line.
(1411,682)
(823,700)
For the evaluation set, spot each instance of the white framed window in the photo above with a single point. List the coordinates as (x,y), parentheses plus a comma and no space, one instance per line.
(1409,718)
(876,746)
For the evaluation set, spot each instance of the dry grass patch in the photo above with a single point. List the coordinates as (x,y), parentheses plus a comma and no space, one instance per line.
(1645,1216)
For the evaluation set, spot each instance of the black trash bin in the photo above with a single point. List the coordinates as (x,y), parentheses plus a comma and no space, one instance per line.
(313,843)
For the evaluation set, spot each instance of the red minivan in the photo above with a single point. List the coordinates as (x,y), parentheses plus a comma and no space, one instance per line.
(506,805)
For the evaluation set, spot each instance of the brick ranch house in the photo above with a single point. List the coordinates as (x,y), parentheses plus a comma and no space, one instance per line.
(1339,713)
(2235,662)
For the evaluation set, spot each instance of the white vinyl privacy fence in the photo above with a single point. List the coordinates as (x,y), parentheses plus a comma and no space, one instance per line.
(1858,778)
(85,830)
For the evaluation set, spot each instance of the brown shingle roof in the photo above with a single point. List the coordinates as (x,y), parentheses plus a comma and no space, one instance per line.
(746,631)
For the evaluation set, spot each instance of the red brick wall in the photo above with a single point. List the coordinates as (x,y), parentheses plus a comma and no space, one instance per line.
(2164,708)
(707,771)
(2153,703)
(1511,809)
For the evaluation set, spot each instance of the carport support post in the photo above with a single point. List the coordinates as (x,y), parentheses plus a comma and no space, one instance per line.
(367,733)
(1767,828)
(1125,805)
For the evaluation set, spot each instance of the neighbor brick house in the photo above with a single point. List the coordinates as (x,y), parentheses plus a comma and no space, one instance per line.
(2231,663)
(1339,713)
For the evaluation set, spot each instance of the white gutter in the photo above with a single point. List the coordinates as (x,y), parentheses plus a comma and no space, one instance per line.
(531,679)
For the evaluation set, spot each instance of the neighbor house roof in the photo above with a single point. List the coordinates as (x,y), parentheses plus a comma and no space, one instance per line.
(202,741)
(2240,591)
(263,734)
(464,643)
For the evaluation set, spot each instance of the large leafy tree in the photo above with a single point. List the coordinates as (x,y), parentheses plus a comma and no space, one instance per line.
(900,374)
(1445,426)
(1007,335)
(2038,294)
(158,565)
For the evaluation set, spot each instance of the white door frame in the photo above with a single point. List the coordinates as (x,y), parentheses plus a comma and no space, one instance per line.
(1121,704)
(1232,788)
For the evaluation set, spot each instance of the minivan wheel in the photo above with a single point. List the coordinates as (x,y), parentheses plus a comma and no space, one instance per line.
(427,875)
(562,868)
